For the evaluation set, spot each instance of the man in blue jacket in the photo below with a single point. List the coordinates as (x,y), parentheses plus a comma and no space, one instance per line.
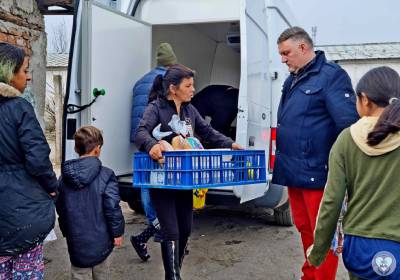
(165,57)
(317,103)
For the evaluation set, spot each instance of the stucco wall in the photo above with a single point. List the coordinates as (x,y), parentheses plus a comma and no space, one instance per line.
(22,24)
(357,68)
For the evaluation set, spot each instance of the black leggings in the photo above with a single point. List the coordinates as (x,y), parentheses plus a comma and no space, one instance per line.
(174,209)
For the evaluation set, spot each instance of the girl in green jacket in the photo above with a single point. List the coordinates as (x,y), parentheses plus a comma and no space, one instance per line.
(365,163)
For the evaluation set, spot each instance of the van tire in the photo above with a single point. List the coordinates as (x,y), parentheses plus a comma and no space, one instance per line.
(136,206)
(282,215)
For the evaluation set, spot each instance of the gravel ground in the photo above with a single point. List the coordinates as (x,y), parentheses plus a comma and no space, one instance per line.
(226,244)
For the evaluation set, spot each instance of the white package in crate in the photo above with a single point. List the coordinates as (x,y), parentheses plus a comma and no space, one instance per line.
(199,175)
(203,177)
(157,177)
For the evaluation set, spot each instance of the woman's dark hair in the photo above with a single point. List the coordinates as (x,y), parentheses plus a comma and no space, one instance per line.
(174,76)
(382,86)
(11,60)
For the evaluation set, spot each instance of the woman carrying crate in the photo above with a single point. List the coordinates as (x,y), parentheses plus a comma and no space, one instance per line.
(171,96)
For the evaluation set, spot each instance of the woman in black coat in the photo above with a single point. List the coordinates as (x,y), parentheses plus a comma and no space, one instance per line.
(27,179)
(170,97)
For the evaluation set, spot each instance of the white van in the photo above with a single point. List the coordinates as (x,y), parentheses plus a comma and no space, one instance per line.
(230,42)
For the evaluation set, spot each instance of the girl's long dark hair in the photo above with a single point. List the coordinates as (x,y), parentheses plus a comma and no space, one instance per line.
(382,86)
(174,76)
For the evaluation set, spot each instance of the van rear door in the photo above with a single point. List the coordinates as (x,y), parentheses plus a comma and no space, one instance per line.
(111,52)
(254,117)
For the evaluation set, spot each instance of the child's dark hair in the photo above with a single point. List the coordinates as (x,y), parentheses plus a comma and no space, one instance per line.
(174,76)
(382,86)
(86,139)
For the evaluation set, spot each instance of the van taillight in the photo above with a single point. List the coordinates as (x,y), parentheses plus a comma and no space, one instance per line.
(272,148)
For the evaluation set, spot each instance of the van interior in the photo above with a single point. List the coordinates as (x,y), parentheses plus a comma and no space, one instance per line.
(205,48)
(211,49)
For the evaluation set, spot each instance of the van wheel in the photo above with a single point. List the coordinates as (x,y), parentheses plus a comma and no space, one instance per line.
(136,206)
(283,215)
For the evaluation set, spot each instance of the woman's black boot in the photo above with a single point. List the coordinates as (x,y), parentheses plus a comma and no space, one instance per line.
(170,256)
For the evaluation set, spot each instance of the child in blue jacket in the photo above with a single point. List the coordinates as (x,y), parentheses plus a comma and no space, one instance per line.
(88,207)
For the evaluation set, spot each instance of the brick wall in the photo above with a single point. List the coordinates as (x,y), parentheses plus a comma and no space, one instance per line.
(22,24)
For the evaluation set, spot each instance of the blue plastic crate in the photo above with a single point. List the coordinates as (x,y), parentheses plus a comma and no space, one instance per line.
(194,169)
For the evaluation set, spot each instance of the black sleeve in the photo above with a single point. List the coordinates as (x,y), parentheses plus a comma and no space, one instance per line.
(35,147)
(112,210)
(143,139)
(209,134)
(61,209)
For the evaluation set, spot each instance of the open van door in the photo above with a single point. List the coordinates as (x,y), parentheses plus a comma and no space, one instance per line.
(255,86)
(110,51)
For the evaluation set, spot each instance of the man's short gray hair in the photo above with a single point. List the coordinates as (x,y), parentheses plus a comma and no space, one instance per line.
(295,33)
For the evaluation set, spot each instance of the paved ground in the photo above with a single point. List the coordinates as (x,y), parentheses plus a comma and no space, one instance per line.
(226,244)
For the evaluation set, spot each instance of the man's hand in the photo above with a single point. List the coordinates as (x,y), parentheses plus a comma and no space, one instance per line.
(156,152)
(236,146)
(118,241)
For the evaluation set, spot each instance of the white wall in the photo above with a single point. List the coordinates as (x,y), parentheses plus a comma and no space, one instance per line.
(357,68)
(226,66)
(50,72)
(192,48)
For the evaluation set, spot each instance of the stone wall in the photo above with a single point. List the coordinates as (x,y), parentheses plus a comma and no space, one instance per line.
(22,24)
